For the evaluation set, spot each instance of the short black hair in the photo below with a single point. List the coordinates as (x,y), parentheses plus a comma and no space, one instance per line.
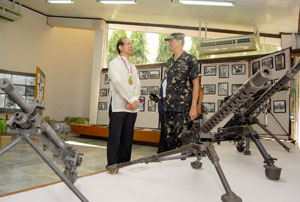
(120,43)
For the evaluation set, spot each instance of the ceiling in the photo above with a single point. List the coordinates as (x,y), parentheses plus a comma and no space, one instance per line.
(270,16)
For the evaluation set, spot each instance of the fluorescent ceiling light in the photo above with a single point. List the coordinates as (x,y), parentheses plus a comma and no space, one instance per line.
(60,1)
(117,1)
(208,2)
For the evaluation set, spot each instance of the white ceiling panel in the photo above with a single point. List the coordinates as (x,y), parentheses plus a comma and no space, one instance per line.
(270,16)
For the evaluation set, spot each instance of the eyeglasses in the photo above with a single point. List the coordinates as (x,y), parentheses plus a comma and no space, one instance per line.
(128,44)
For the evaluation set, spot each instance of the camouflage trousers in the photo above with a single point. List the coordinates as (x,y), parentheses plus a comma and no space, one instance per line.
(175,122)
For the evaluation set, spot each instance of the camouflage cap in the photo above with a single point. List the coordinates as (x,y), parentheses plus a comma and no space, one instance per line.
(178,36)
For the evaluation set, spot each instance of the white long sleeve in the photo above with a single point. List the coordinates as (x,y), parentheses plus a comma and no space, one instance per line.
(121,91)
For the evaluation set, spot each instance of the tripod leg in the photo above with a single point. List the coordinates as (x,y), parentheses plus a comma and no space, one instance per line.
(10,145)
(230,196)
(247,151)
(55,169)
(164,156)
(273,136)
(272,172)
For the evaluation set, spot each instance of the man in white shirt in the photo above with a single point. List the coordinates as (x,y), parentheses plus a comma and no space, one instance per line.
(124,93)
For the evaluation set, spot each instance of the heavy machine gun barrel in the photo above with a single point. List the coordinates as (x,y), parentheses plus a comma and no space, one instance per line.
(273,89)
(251,86)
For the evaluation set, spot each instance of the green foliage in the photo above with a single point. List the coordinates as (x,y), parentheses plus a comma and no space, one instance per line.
(112,44)
(140,48)
(3,126)
(194,49)
(163,52)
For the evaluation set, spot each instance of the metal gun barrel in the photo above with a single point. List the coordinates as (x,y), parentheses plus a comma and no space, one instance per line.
(249,88)
(14,95)
(273,89)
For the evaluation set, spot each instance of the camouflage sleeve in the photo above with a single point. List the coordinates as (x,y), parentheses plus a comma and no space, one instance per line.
(195,69)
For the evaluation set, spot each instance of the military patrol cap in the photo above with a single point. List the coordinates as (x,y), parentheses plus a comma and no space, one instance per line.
(178,36)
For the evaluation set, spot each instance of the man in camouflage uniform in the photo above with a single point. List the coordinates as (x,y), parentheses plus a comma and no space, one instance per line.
(182,91)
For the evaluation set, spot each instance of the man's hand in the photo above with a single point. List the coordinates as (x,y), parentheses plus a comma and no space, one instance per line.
(135,105)
(193,112)
(128,106)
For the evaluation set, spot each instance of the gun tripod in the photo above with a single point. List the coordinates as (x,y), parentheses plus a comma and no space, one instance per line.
(27,136)
(187,151)
(243,134)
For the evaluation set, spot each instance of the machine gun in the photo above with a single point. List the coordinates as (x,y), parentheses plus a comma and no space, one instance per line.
(29,123)
(197,139)
(239,127)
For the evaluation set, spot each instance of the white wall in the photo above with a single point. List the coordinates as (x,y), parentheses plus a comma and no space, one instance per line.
(65,55)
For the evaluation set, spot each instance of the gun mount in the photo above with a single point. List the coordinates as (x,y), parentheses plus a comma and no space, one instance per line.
(29,123)
(239,127)
(197,138)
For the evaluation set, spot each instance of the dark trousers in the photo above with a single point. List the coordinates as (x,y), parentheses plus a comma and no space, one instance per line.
(119,143)
(163,146)
(175,122)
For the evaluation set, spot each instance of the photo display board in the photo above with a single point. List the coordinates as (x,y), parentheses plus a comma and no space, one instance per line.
(24,83)
(218,81)
(222,79)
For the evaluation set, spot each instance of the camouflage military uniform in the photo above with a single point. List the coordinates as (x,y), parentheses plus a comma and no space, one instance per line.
(180,75)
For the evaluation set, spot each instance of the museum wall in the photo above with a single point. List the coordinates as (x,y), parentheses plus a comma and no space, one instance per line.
(64,55)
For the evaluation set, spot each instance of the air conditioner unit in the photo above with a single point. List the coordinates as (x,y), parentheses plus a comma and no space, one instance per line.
(9,14)
(230,44)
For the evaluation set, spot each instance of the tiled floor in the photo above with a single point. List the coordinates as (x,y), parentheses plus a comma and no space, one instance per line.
(22,168)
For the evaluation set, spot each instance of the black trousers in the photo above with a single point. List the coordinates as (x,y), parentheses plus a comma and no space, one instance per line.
(163,146)
(119,143)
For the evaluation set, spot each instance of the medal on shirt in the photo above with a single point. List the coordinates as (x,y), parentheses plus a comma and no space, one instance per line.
(130,79)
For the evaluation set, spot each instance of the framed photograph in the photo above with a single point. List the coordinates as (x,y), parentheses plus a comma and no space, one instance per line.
(5,76)
(40,82)
(210,70)
(18,79)
(30,81)
(154,90)
(209,106)
(279,62)
(30,91)
(151,106)
(154,74)
(235,87)
(142,104)
(255,67)
(279,106)
(102,105)
(268,62)
(106,79)
(220,102)
(238,69)
(144,74)
(209,89)
(103,92)
(144,90)
(223,71)
(222,89)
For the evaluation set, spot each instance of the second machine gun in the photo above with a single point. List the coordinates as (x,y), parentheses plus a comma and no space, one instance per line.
(29,123)
(197,141)
(239,127)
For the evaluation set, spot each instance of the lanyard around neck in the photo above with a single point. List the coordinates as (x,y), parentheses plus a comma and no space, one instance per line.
(126,66)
